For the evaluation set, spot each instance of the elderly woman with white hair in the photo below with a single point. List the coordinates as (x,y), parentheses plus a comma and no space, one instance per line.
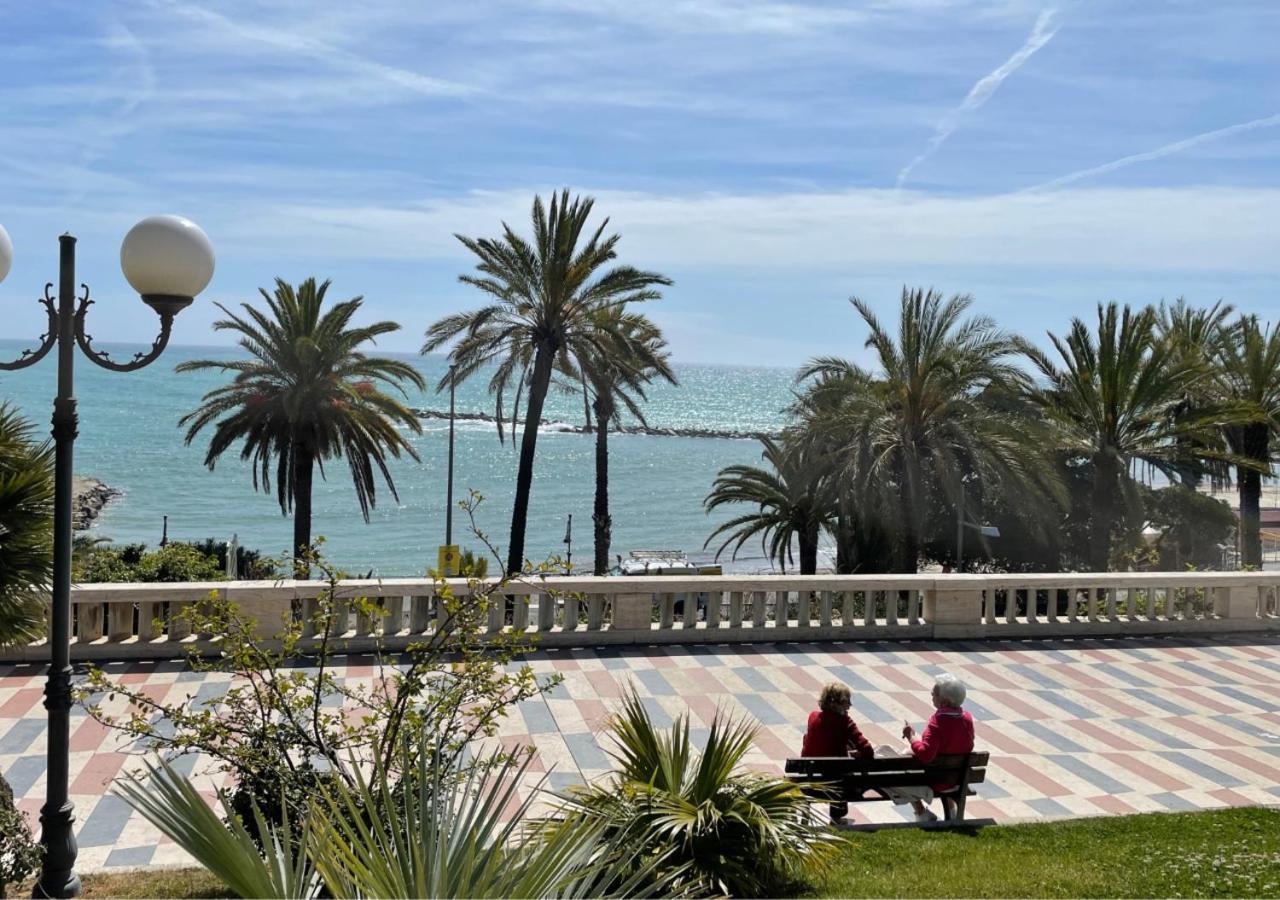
(949,731)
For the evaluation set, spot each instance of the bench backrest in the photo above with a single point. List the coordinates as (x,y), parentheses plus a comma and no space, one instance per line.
(959,768)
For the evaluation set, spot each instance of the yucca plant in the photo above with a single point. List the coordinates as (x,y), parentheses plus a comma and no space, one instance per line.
(423,830)
(170,802)
(440,831)
(713,827)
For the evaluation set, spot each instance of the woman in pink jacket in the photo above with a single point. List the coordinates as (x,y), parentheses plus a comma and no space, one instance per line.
(949,731)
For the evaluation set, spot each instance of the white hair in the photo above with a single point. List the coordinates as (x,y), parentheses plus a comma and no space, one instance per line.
(951,690)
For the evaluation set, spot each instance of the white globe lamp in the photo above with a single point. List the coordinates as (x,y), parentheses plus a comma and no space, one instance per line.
(168,260)
(6,253)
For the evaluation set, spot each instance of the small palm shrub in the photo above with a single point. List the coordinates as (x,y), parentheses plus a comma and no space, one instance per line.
(26,553)
(444,837)
(712,827)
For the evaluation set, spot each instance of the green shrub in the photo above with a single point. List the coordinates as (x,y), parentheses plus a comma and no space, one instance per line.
(278,729)
(174,562)
(713,827)
(179,562)
(19,853)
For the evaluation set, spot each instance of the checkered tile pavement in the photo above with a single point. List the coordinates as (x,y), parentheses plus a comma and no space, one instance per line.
(1075,727)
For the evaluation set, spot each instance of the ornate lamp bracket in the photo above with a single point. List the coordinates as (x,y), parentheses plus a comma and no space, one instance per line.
(47,340)
(102,357)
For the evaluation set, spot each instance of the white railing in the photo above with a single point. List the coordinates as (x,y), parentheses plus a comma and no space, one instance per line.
(141,620)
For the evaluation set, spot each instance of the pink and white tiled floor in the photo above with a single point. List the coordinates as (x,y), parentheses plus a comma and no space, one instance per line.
(1075,727)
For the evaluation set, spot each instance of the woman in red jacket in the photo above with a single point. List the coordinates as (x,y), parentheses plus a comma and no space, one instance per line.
(949,731)
(832,733)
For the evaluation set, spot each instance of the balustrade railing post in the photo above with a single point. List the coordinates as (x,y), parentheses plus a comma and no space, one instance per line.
(955,609)
(632,612)
(1236,602)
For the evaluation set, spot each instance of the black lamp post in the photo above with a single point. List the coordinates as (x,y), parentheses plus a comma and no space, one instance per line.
(168,260)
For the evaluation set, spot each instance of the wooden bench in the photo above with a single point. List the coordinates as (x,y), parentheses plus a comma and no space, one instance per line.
(846,778)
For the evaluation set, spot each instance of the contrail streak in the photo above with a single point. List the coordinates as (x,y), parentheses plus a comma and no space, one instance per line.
(981,92)
(1158,153)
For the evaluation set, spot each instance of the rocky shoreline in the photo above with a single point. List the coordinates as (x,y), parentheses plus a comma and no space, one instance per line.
(624,429)
(89,496)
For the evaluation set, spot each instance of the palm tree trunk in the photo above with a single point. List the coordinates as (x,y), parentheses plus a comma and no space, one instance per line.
(1105,476)
(912,488)
(809,551)
(303,471)
(528,444)
(600,517)
(1254,447)
(844,541)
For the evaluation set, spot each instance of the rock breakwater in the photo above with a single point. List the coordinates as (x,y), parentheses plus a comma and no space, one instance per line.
(89,496)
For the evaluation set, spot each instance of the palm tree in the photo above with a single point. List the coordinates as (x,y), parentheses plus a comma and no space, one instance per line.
(1118,397)
(1248,373)
(791,500)
(924,425)
(26,528)
(615,381)
(859,527)
(26,569)
(306,394)
(546,295)
(1194,336)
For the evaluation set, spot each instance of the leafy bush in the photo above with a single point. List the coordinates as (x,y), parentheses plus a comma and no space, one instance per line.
(19,853)
(712,827)
(250,564)
(285,726)
(175,562)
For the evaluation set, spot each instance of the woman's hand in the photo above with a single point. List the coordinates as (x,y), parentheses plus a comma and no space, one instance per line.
(907,731)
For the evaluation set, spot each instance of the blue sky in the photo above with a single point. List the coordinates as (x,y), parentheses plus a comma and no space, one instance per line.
(773,158)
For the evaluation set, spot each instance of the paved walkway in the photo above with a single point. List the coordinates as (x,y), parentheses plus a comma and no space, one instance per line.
(1075,728)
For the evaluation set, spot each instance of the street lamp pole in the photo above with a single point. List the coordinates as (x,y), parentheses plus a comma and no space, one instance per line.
(169,260)
(448,503)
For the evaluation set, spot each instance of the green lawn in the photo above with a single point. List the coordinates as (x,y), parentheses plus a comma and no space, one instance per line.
(1226,853)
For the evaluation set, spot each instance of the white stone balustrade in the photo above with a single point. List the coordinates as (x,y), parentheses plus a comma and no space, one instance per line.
(116,621)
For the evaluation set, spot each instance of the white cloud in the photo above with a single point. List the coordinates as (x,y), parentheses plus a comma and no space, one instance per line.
(715,16)
(1158,153)
(1176,229)
(982,91)
(293,41)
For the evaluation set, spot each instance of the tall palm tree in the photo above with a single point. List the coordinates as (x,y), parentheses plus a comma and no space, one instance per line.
(1194,336)
(545,295)
(790,500)
(307,393)
(922,425)
(859,527)
(1116,397)
(1248,373)
(26,528)
(616,381)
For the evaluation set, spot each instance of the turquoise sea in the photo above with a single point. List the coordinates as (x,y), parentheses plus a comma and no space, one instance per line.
(129,439)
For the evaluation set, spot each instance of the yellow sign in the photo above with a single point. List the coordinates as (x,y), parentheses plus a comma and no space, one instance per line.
(447,560)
